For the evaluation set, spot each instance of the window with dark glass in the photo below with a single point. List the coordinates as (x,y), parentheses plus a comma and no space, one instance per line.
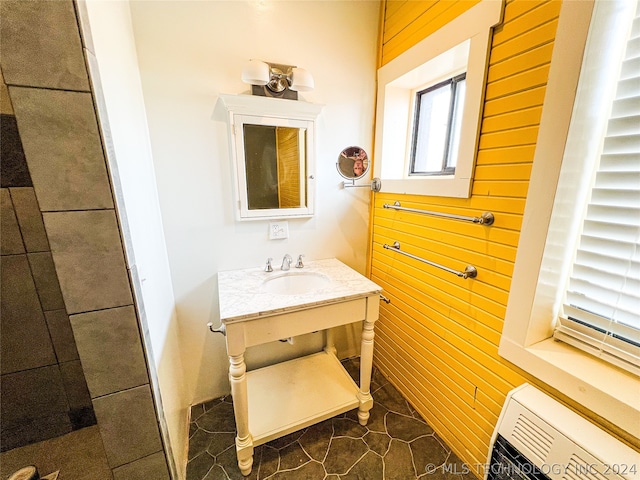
(436,133)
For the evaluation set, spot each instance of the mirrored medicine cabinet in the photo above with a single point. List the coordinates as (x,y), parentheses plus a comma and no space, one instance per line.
(272,144)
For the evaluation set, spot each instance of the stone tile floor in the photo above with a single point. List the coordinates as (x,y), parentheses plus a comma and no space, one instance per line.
(396,444)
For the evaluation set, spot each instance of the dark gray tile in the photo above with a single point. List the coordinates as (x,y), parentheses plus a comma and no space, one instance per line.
(398,464)
(219,418)
(199,466)
(29,219)
(11,239)
(376,418)
(196,411)
(41,45)
(343,453)
(378,378)
(46,279)
(25,341)
(82,417)
(216,473)
(456,469)
(269,462)
(229,463)
(151,467)
(128,425)
(442,442)
(64,343)
(31,431)
(62,145)
(32,394)
(78,455)
(370,467)
(110,349)
(309,471)
(315,440)
(293,456)
(388,396)
(345,427)
(219,442)
(206,406)
(199,442)
(453,469)
(427,451)
(286,440)
(88,256)
(352,366)
(406,428)
(378,442)
(75,385)
(13,162)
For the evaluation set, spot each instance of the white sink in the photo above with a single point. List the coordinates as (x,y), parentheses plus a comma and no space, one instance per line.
(295,283)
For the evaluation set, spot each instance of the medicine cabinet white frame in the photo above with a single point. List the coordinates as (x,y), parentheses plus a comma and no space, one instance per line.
(463,44)
(257,110)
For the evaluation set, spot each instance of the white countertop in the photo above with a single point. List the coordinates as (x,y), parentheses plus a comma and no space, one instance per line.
(242,297)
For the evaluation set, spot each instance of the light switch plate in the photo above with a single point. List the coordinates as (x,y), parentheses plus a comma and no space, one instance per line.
(278,230)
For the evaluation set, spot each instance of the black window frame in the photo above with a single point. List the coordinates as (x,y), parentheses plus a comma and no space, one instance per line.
(446,168)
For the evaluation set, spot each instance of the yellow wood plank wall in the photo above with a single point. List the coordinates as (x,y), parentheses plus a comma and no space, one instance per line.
(438,339)
(288,153)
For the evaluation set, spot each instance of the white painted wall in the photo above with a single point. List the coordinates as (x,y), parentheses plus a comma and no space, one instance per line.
(188,53)
(137,199)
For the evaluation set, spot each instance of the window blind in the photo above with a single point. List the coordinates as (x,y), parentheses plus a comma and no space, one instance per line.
(601,311)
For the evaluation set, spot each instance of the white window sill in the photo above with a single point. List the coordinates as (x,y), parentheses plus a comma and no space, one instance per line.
(600,387)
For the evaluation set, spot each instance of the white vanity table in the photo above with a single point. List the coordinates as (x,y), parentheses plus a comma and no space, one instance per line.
(257,307)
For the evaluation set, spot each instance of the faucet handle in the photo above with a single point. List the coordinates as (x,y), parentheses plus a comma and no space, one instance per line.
(268,267)
(299,263)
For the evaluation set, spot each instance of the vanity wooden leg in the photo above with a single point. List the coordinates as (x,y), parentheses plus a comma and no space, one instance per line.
(366,365)
(329,343)
(244,442)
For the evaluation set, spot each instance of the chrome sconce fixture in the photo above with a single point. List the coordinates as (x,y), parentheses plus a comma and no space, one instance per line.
(276,80)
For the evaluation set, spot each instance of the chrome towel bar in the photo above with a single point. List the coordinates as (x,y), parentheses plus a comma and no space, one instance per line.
(469,272)
(486,218)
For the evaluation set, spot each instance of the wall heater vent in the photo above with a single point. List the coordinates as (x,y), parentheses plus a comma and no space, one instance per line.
(538,438)
(574,470)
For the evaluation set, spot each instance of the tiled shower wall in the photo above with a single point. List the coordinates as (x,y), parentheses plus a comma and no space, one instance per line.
(44,392)
(43,63)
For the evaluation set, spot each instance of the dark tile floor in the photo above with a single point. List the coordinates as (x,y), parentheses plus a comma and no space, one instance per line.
(396,444)
(78,455)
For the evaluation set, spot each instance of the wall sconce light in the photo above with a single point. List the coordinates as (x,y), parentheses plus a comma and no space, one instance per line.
(276,80)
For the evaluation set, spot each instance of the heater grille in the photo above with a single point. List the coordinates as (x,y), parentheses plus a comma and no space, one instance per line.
(577,470)
(534,437)
(508,463)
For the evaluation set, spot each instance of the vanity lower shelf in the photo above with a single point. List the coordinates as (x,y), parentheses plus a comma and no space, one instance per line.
(291,395)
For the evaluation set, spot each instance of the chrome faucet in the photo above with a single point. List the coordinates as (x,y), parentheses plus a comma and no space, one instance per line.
(299,263)
(286,262)
(268,267)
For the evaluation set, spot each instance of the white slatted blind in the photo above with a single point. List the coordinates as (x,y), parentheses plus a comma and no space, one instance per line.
(601,312)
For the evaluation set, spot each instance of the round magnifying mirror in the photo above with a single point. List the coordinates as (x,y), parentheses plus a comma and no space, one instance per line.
(353,163)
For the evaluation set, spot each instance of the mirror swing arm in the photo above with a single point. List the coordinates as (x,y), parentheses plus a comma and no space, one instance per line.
(375,185)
